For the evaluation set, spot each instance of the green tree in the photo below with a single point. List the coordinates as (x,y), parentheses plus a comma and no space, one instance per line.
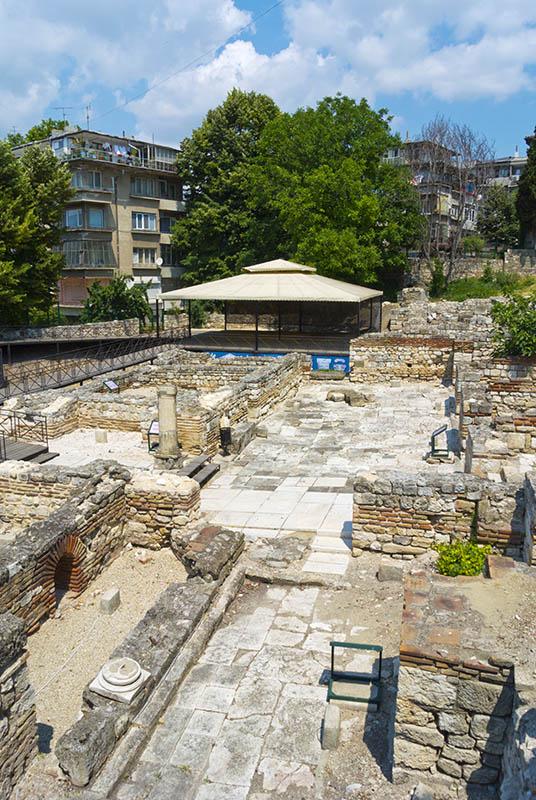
(116,300)
(515,322)
(473,244)
(214,238)
(497,217)
(44,128)
(33,193)
(526,195)
(329,198)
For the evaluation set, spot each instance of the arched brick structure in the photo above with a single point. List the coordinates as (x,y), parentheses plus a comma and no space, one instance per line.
(64,568)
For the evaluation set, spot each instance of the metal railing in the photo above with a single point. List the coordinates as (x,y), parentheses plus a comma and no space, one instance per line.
(76,366)
(3,451)
(28,426)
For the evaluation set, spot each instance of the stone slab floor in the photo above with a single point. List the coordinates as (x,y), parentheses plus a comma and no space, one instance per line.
(298,473)
(246,722)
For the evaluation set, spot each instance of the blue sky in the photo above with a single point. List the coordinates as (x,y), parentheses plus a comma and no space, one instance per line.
(475,64)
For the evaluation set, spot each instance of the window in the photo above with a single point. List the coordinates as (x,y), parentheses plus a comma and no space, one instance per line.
(142,186)
(73,218)
(144,255)
(166,224)
(163,154)
(169,255)
(88,254)
(96,218)
(86,180)
(143,222)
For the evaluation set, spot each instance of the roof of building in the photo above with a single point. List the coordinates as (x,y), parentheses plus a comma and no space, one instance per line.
(277,280)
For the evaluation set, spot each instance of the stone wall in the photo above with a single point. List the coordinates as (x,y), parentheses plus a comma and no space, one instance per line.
(519,762)
(522,262)
(156,505)
(469,320)
(29,492)
(89,330)
(18,724)
(79,538)
(405,515)
(453,708)
(375,357)
(529,520)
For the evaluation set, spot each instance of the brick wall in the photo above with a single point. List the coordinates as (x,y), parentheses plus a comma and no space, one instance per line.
(29,493)
(404,515)
(18,724)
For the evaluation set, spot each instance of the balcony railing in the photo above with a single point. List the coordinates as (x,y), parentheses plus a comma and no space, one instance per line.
(96,154)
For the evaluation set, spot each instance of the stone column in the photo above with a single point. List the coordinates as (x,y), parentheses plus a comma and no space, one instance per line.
(168,446)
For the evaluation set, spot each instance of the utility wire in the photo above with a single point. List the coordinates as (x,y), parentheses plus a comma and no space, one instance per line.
(192,62)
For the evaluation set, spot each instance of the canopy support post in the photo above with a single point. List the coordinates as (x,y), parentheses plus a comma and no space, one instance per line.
(256,325)
(381,314)
(370,314)
(225,315)
(359,319)
(189,319)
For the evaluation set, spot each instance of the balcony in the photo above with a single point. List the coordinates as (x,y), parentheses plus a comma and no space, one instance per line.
(100,155)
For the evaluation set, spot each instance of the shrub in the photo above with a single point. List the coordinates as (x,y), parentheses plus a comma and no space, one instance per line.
(473,244)
(461,558)
(437,284)
(515,321)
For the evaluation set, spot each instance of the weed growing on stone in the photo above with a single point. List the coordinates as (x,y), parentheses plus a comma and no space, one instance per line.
(461,558)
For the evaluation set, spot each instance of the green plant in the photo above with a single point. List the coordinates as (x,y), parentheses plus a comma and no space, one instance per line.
(461,558)
(515,321)
(473,244)
(437,284)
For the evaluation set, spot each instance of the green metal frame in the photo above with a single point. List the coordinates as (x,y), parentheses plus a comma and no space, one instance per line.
(151,433)
(356,677)
(438,451)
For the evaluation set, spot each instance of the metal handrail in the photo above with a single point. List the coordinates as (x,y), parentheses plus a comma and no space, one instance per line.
(78,365)
(16,425)
(3,451)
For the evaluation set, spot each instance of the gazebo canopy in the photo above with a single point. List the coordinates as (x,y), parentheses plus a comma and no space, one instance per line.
(277,280)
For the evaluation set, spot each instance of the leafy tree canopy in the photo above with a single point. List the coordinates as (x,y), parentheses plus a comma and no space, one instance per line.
(214,239)
(33,192)
(497,217)
(330,200)
(515,321)
(116,300)
(526,195)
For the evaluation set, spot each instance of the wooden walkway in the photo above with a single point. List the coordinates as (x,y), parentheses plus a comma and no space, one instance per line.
(18,450)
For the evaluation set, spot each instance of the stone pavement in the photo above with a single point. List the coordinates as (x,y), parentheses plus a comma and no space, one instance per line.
(246,722)
(298,473)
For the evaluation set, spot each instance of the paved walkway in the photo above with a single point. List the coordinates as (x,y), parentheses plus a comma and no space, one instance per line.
(299,474)
(246,722)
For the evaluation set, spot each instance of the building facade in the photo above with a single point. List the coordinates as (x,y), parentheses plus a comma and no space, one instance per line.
(128,196)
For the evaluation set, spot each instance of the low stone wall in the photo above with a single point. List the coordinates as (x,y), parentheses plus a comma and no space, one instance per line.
(519,764)
(18,724)
(453,709)
(77,540)
(29,493)
(156,505)
(529,519)
(89,330)
(153,643)
(405,515)
(376,358)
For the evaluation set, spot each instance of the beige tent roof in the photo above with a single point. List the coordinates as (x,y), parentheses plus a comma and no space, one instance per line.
(276,280)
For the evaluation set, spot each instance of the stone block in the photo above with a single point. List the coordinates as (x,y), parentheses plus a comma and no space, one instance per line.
(485,727)
(432,691)
(449,767)
(423,792)
(430,737)
(101,437)
(460,755)
(485,698)
(110,601)
(83,749)
(482,775)
(336,397)
(390,571)
(330,727)
(413,756)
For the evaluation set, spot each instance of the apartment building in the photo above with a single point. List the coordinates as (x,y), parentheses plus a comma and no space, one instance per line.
(506,171)
(435,175)
(128,196)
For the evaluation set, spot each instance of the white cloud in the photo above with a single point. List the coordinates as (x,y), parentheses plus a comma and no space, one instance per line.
(63,49)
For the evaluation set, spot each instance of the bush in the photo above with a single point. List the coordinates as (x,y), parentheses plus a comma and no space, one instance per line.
(437,284)
(515,321)
(461,558)
(473,244)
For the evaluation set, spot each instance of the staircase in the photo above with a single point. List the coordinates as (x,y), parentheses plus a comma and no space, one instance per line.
(199,469)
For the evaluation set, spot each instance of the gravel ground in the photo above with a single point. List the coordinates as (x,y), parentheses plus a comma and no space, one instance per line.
(79,448)
(140,584)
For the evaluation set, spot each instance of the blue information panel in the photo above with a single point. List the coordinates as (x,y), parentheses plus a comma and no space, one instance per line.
(227,354)
(341,363)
